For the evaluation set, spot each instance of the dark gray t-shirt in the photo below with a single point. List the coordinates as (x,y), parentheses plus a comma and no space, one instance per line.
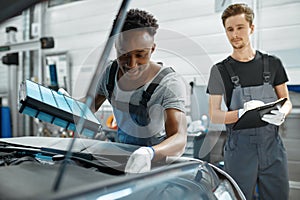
(250,74)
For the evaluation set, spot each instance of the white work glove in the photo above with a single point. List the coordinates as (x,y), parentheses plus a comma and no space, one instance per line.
(276,117)
(63,91)
(140,160)
(249,105)
(241,112)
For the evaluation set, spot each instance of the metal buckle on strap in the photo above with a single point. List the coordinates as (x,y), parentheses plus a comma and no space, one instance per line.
(235,80)
(266,76)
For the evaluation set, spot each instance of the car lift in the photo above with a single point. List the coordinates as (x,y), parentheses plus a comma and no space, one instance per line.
(10,57)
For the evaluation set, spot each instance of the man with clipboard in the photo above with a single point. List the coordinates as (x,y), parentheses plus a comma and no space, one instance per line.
(252,155)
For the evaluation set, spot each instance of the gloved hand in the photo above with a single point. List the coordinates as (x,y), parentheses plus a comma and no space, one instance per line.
(140,160)
(241,112)
(63,91)
(249,105)
(276,117)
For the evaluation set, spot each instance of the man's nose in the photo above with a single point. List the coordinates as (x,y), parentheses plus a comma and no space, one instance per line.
(235,33)
(131,62)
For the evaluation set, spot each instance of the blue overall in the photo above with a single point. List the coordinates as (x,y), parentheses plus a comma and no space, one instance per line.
(256,155)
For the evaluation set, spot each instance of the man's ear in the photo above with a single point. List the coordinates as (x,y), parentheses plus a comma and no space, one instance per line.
(153,48)
(252,28)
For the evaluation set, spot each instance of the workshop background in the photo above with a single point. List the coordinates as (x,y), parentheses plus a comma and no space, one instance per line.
(191,39)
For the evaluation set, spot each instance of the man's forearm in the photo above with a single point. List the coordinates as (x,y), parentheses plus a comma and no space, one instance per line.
(224,117)
(172,146)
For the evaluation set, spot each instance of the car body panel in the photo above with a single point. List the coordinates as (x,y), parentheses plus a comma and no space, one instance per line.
(96,171)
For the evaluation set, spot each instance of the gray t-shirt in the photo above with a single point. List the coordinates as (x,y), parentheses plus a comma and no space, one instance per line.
(171,93)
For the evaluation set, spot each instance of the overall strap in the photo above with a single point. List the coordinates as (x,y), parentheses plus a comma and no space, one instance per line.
(146,94)
(266,73)
(153,85)
(111,79)
(234,78)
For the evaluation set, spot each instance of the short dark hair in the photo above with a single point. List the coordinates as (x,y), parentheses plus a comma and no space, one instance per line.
(140,19)
(236,9)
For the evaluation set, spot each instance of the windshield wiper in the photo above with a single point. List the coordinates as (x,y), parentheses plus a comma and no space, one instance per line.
(103,61)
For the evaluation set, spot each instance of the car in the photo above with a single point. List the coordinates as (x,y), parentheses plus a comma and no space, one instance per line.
(45,168)
(30,169)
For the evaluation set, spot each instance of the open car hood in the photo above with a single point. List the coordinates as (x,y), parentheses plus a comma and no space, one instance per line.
(95,170)
(35,161)
(82,145)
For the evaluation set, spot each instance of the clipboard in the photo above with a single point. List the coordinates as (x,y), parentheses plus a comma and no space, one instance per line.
(252,118)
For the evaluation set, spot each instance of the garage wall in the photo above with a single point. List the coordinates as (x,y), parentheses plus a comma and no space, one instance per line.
(16,22)
(191,37)
(182,41)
